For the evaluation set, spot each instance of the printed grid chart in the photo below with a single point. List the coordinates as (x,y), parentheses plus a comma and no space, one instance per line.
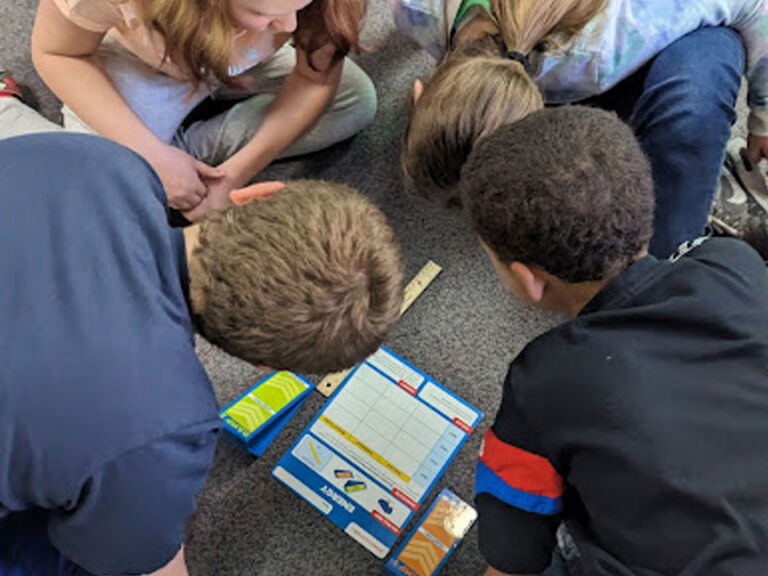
(408,440)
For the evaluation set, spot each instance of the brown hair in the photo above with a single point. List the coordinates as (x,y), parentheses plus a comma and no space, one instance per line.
(310,279)
(581,219)
(476,88)
(336,22)
(198,33)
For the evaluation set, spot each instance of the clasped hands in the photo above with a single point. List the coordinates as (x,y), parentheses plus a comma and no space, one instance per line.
(196,189)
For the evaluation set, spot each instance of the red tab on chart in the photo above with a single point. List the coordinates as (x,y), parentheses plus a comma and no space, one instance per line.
(386,522)
(407,387)
(463,425)
(404,499)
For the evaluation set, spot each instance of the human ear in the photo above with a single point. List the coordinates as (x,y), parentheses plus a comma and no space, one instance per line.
(418,90)
(531,283)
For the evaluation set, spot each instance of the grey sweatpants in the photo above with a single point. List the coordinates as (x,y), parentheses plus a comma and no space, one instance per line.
(163,102)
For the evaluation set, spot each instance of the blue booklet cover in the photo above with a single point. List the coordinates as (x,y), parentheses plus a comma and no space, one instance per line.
(256,418)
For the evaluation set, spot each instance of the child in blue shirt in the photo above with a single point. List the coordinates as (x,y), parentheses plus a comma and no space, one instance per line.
(107,418)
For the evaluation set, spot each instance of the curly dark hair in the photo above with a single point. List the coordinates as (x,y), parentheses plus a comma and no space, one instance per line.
(567,189)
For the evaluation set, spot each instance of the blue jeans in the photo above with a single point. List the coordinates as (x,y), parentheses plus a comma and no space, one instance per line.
(681,106)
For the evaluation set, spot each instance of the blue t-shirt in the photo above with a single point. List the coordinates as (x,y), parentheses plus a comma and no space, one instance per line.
(107,418)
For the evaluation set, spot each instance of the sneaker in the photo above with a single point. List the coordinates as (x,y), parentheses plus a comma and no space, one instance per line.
(8,86)
(756,235)
(740,207)
(750,177)
(729,208)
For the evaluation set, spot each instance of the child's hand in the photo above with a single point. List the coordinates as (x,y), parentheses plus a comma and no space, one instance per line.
(216,198)
(224,192)
(757,148)
(182,175)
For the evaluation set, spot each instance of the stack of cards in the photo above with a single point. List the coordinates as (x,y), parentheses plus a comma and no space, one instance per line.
(257,417)
(434,539)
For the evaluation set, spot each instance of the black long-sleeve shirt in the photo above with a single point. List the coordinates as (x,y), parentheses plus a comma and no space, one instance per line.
(642,425)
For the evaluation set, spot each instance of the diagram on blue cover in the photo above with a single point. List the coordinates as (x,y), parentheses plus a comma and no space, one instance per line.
(382,442)
(354,486)
(386,506)
(313,453)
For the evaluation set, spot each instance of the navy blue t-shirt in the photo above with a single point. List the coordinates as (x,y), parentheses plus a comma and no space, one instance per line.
(107,418)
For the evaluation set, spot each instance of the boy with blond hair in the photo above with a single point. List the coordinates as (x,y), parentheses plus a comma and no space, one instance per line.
(309,279)
(633,438)
(107,418)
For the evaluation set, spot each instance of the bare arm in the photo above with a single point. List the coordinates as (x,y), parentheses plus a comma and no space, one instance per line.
(176,567)
(64,56)
(303,97)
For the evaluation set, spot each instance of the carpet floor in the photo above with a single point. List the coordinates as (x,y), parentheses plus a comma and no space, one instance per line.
(463,331)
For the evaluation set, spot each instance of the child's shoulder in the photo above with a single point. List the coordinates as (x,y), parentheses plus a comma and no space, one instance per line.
(630,319)
(722,246)
(722,257)
(570,352)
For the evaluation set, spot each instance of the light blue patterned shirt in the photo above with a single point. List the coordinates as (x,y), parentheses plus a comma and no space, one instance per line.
(619,41)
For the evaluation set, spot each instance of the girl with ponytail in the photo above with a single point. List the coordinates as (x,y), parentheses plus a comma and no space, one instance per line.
(133,70)
(672,69)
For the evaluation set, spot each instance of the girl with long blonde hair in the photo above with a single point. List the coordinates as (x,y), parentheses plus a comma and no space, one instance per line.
(133,70)
(672,69)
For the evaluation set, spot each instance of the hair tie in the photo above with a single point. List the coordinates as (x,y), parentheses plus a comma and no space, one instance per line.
(518,57)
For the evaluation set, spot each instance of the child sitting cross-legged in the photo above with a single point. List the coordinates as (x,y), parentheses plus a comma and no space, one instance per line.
(632,439)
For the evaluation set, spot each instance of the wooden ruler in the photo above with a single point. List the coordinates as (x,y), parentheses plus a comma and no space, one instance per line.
(413,290)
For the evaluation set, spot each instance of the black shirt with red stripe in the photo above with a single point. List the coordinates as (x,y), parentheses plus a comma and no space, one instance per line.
(640,428)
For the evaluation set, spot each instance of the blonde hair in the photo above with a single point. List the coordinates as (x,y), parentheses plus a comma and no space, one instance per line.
(310,279)
(198,34)
(477,88)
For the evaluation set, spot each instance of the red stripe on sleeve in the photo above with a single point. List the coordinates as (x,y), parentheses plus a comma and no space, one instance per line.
(520,469)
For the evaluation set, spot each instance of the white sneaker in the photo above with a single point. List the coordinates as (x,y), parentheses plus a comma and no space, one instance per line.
(740,207)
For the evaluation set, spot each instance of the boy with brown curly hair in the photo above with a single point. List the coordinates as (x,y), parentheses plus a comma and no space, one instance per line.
(631,439)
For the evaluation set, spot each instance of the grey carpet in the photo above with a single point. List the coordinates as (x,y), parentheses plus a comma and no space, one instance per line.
(463,331)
